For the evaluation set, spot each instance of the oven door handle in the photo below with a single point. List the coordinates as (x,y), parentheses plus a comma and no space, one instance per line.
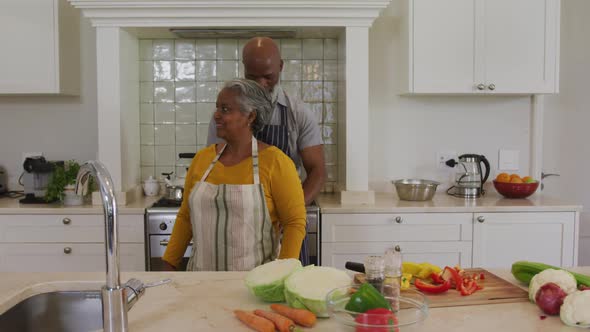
(165,243)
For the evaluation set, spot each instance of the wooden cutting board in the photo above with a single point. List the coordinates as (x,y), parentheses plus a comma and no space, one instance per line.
(496,290)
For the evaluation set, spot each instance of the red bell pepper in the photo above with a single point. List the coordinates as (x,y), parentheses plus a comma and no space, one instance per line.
(450,274)
(468,288)
(378,316)
(430,288)
(436,278)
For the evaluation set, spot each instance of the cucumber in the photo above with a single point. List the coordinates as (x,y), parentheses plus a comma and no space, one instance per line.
(524,271)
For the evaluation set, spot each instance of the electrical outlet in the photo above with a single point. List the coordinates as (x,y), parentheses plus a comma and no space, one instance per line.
(443,156)
(25,155)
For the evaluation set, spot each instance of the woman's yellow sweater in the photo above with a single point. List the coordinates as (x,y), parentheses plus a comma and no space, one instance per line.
(282,190)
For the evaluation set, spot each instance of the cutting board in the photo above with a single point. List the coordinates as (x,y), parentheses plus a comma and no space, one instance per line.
(496,290)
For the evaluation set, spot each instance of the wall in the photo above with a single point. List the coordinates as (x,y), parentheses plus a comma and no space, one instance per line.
(566,119)
(62,128)
(406,132)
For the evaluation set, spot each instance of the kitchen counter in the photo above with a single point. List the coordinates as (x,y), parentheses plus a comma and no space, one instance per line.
(203,301)
(441,202)
(12,206)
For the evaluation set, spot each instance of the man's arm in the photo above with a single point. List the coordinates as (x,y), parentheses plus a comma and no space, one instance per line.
(312,158)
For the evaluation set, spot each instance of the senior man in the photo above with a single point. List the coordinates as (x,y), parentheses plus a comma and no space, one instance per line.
(292,127)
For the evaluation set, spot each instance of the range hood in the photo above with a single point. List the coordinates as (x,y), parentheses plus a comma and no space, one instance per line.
(232,33)
(119,23)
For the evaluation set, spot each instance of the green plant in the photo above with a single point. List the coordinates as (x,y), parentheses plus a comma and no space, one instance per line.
(63,175)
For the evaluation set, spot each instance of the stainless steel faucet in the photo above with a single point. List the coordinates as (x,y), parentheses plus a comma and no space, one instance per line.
(116,300)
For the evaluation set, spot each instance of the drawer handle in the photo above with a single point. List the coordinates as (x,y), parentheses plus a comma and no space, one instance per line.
(67,250)
(67,221)
(398,248)
(481,219)
(165,243)
(398,220)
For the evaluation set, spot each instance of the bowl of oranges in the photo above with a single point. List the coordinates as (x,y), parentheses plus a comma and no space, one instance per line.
(513,186)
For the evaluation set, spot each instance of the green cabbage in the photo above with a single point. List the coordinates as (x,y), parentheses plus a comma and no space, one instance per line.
(267,281)
(307,288)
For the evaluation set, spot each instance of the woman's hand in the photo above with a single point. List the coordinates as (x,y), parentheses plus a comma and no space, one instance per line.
(167,266)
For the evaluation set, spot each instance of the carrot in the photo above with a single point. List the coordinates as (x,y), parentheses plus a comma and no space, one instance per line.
(300,316)
(282,323)
(254,322)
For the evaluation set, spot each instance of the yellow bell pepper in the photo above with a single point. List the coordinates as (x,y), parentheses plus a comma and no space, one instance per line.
(405,282)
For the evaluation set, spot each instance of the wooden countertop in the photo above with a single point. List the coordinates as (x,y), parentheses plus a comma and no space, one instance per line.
(203,301)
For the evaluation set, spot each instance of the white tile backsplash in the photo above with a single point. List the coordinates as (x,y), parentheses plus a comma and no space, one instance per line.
(179,81)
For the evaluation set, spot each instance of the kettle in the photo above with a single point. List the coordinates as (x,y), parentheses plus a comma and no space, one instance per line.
(469,176)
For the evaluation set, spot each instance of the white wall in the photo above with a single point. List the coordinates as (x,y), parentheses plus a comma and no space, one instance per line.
(567,115)
(407,131)
(62,128)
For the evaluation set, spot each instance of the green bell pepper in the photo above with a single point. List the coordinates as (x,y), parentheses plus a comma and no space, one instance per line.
(365,298)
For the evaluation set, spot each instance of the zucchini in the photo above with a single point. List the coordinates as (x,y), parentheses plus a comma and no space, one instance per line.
(524,271)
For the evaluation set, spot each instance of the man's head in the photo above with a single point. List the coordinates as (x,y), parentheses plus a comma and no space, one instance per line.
(262,62)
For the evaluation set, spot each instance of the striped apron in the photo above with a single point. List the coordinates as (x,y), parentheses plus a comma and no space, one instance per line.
(278,135)
(232,229)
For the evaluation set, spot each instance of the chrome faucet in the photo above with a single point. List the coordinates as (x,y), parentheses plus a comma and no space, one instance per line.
(116,300)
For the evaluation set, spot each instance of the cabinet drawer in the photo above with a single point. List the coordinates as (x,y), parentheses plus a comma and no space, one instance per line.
(67,228)
(438,253)
(397,227)
(44,257)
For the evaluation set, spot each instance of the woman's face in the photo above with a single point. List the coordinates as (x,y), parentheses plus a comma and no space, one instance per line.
(230,122)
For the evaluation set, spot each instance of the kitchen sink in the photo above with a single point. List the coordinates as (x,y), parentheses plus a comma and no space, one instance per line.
(56,311)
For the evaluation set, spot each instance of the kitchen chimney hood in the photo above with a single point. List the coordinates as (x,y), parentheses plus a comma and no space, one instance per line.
(232,33)
(119,23)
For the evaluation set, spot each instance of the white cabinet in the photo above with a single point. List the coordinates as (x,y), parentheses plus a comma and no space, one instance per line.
(500,239)
(40,47)
(67,243)
(439,238)
(481,46)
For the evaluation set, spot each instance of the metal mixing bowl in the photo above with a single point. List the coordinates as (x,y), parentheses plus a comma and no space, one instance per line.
(415,189)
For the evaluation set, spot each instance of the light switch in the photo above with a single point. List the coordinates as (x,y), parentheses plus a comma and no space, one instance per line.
(508,160)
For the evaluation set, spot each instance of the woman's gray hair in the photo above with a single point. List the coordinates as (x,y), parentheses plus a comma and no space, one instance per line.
(252,97)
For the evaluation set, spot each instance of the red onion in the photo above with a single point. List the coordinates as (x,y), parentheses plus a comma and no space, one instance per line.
(550,297)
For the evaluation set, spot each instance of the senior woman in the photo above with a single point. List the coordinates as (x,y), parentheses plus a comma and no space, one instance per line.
(239,196)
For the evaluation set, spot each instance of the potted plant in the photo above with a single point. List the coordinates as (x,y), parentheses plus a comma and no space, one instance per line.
(62,184)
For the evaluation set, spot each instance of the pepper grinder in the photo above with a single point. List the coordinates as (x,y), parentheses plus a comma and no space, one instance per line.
(392,261)
(374,271)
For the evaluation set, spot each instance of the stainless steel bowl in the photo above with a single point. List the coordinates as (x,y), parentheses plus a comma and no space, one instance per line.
(415,189)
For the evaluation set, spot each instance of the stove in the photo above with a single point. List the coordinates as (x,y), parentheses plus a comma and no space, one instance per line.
(159,222)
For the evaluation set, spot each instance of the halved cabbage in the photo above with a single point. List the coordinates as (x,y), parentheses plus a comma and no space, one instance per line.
(267,281)
(307,288)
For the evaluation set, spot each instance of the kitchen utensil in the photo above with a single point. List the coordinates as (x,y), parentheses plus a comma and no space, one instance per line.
(174,191)
(515,190)
(495,290)
(413,309)
(415,189)
(355,266)
(469,176)
(151,187)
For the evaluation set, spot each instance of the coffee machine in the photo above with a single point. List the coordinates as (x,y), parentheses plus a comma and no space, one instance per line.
(469,175)
(35,178)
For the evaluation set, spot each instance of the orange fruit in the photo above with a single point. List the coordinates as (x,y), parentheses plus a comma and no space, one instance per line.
(528,179)
(515,179)
(503,177)
(515,176)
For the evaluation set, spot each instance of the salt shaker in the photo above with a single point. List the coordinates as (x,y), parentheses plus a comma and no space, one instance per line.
(374,271)
(392,271)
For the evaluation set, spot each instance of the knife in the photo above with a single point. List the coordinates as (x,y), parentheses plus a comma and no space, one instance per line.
(354,266)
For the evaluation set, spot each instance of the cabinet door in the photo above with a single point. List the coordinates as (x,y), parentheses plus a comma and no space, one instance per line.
(438,253)
(520,46)
(40,40)
(67,257)
(500,239)
(442,46)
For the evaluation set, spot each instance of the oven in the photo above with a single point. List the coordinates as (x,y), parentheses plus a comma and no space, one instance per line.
(159,222)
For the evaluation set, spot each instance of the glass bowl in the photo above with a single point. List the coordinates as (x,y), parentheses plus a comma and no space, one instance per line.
(413,309)
(515,190)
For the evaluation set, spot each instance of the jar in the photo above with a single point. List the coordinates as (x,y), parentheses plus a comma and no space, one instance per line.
(151,187)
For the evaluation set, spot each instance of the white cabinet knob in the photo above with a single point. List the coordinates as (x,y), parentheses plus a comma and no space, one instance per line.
(481,219)
(398,219)
(67,250)
(481,87)
(492,87)
(66,221)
